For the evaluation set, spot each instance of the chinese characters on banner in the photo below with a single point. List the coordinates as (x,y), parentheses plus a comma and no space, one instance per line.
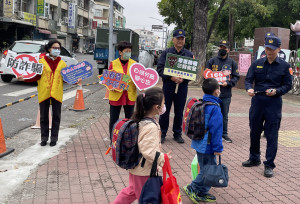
(81,70)
(94,24)
(143,78)
(72,15)
(180,66)
(219,75)
(40,8)
(8,8)
(26,65)
(31,18)
(244,62)
(114,80)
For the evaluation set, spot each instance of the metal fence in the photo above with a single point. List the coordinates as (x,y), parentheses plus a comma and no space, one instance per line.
(295,65)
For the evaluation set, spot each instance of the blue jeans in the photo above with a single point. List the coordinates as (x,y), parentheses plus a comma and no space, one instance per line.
(225,110)
(197,185)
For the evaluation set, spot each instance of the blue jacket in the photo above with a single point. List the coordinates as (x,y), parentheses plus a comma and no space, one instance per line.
(266,76)
(162,61)
(214,124)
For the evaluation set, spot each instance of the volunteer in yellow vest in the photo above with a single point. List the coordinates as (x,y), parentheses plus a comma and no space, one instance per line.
(50,91)
(126,98)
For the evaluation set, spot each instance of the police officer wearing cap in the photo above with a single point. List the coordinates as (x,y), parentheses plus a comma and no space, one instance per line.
(281,54)
(224,63)
(169,86)
(271,79)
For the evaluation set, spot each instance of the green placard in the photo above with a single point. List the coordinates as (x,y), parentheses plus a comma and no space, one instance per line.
(40,8)
(180,66)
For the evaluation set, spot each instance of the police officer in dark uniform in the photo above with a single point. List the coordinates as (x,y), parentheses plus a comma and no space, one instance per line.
(271,79)
(229,67)
(169,86)
(281,54)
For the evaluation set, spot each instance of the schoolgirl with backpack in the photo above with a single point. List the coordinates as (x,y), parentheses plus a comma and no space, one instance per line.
(148,105)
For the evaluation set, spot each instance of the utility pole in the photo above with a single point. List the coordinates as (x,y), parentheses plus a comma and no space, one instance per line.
(164,39)
(111,31)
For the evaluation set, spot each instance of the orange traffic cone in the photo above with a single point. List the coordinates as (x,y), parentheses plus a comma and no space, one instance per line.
(3,150)
(79,101)
(38,124)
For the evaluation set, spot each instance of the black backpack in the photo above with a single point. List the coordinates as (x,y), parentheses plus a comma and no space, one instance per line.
(124,143)
(193,124)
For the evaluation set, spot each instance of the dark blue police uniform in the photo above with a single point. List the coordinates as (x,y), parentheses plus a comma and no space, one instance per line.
(179,98)
(266,108)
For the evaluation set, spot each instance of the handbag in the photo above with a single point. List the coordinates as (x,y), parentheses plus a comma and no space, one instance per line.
(215,175)
(170,191)
(151,190)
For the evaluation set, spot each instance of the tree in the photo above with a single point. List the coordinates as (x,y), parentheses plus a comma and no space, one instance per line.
(200,33)
(179,13)
(192,16)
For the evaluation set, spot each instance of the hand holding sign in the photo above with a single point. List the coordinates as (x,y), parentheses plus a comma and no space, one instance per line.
(81,70)
(143,78)
(219,76)
(26,65)
(114,81)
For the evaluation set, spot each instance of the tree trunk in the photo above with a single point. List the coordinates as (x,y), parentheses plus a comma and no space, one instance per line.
(200,35)
(213,23)
(231,30)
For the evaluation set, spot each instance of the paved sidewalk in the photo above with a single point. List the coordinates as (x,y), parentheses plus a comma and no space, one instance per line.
(82,173)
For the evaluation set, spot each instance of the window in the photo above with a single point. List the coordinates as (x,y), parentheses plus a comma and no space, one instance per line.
(64,52)
(25,6)
(19,47)
(98,13)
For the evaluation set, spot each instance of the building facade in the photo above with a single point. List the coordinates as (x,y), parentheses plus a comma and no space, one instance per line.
(48,19)
(101,14)
(147,39)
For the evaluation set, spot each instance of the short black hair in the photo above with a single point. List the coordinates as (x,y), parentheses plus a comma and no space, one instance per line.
(210,85)
(123,45)
(50,43)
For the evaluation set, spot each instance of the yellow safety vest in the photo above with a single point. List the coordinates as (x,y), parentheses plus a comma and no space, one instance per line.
(51,84)
(115,95)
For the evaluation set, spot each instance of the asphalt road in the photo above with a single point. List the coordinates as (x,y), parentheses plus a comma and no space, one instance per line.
(23,115)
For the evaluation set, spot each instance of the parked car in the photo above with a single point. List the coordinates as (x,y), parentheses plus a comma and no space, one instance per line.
(29,47)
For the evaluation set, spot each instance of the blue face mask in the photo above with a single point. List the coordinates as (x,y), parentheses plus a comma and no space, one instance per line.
(55,52)
(126,55)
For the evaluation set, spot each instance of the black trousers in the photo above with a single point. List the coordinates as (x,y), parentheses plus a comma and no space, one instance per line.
(44,119)
(179,100)
(115,113)
(265,113)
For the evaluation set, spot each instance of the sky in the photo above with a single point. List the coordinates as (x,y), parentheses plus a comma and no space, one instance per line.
(138,13)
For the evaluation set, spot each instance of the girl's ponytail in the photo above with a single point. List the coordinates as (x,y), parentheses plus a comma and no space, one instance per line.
(139,112)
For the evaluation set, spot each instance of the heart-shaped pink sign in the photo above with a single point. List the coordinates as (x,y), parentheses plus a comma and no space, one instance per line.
(143,78)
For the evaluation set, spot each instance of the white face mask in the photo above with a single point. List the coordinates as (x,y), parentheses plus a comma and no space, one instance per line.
(163,110)
(55,52)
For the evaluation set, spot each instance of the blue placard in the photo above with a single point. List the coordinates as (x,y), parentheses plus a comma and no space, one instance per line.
(81,70)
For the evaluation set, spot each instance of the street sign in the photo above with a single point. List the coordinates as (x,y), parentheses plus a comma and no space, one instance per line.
(157,27)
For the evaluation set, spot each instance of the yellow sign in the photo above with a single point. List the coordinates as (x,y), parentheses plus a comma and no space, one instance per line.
(31,18)
(8,8)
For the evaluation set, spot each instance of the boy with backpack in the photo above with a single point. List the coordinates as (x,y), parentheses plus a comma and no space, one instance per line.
(211,143)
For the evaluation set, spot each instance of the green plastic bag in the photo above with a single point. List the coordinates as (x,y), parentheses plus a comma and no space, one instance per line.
(195,167)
